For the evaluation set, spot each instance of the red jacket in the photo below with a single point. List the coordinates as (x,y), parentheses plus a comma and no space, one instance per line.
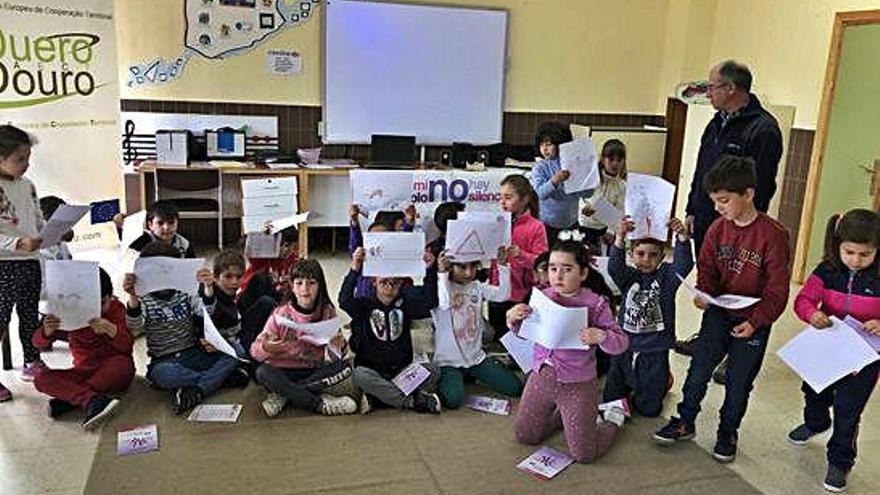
(90,349)
(747,261)
(275,266)
(529,235)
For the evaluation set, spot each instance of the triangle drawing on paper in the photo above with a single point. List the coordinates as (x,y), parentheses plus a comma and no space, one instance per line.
(471,245)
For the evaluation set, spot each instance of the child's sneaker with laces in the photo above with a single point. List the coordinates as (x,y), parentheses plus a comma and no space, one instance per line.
(99,408)
(426,403)
(273,404)
(674,431)
(30,370)
(725,447)
(186,398)
(337,406)
(802,434)
(835,479)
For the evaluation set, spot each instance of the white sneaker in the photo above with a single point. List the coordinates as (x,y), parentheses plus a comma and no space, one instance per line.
(273,404)
(365,406)
(336,406)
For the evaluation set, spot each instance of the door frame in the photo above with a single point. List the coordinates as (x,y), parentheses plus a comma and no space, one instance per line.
(842,20)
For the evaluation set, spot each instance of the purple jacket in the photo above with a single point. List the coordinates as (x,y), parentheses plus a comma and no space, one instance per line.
(572,365)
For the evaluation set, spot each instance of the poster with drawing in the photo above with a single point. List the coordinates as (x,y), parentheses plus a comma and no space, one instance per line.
(649,203)
(160,272)
(580,159)
(473,240)
(374,190)
(73,292)
(502,220)
(394,254)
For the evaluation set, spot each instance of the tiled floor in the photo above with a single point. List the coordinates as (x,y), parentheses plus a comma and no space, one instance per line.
(38,455)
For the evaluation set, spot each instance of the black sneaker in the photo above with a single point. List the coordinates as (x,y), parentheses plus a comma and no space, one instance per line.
(239,378)
(186,398)
(98,409)
(719,376)
(686,347)
(674,431)
(725,447)
(835,479)
(802,434)
(426,403)
(58,407)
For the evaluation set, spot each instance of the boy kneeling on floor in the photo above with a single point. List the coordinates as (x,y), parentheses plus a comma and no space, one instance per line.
(102,361)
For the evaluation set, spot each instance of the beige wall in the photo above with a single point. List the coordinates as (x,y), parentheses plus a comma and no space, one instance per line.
(565,56)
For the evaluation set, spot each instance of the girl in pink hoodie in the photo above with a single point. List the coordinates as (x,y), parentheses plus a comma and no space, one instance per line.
(294,365)
(528,240)
(562,388)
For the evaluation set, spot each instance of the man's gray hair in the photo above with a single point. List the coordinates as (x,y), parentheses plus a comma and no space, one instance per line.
(737,73)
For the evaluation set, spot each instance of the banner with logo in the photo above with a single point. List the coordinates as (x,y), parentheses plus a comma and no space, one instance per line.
(58,81)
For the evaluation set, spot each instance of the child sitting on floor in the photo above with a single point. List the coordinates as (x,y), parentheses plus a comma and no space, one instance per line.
(102,362)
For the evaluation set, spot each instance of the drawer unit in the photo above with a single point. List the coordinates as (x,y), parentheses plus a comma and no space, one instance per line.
(272,186)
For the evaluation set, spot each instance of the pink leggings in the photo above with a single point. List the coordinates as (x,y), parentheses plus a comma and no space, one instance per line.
(547,404)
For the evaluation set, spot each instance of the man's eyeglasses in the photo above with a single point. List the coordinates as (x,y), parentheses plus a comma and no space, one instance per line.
(714,86)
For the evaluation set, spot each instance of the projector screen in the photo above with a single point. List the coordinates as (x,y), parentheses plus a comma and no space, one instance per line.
(433,72)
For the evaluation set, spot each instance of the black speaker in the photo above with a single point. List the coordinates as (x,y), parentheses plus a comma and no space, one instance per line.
(462,153)
(445,157)
(483,157)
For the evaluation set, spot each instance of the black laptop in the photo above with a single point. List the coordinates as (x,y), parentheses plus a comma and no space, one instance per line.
(389,151)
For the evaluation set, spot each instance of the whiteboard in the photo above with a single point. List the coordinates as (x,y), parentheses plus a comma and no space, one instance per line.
(433,72)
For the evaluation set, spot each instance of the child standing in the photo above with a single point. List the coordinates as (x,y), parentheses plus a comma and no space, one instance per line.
(647,315)
(559,210)
(846,283)
(529,239)
(612,187)
(102,362)
(381,338)
(745,252)
(178,362)
(293,368)
(562,387)
(20,224)
(162,222)
(458,335)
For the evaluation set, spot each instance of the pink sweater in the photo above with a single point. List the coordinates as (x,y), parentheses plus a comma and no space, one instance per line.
(298,353)
(572,365)
(529,235)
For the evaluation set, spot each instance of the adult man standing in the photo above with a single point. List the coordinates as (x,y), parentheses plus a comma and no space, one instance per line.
(741,127)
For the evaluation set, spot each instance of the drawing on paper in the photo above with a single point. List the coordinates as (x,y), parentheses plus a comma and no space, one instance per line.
(471,245)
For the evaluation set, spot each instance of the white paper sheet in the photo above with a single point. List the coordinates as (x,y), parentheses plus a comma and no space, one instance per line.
(212,335)
(821,357)
(470,240)
(870,338)
(490,405)
(374,190)
(521,350)
(289,221)
(258,245)
(580,159)
(410,378)
(215,413)
(133,227)
(159,272)
(394,254)
(318,333)
(726,301)
(552,325)
(545,463)
(606,213)
(73,292)
(501,218)
(137,440)
(649,203)
(61,222)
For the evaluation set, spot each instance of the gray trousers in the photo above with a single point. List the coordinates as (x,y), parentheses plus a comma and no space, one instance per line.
(384,390)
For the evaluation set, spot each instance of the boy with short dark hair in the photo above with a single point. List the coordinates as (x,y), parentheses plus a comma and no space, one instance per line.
(745,252)
(162,222)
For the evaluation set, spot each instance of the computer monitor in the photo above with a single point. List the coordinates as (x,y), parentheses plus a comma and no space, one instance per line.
(392,151)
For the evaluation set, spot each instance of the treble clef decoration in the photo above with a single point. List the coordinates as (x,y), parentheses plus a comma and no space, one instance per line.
(129,153)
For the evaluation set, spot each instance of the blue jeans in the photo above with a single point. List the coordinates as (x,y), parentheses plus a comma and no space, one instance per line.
(192,367)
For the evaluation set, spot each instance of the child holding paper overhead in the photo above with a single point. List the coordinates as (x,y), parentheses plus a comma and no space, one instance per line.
(528,238)
(458,335)
(559,210)
(612,188)
(845,284)
(102,362)
(381,338)
(178,361)
(745,252)
(562,388)
(647,315)
(294,369)
(162,222)
(267,277)
(20,225)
